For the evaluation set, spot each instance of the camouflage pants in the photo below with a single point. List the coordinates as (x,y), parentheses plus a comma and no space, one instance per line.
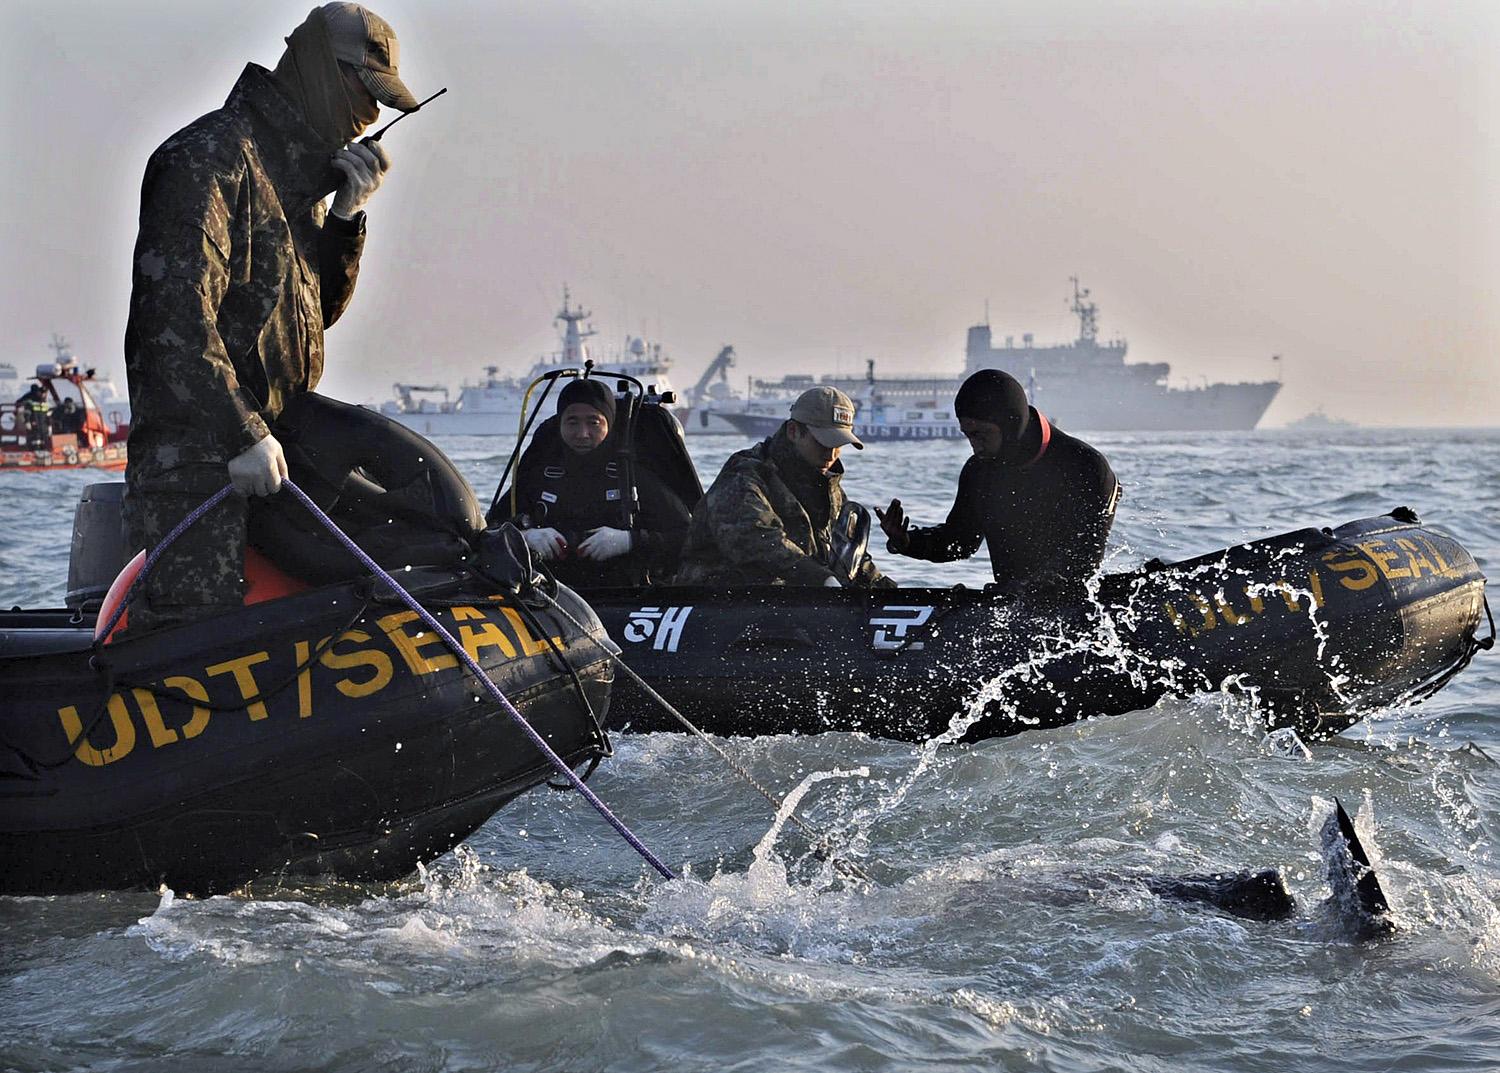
(203,573)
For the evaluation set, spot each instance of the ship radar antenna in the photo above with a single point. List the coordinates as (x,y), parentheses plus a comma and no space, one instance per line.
(573,349)
(61,348)
(1086,311)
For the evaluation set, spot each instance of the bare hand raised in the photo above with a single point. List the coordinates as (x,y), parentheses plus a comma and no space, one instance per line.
(896,524)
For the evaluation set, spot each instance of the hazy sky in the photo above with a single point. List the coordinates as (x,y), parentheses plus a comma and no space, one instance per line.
(821,183)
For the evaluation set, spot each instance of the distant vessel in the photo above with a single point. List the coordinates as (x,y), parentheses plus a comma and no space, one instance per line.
(1318,421)
(492,406)
(1082,385)
(712,393)
(62,426)
(1086,384)
(876,416)
(112,403)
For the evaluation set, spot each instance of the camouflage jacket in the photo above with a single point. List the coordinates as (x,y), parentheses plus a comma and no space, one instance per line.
(236,275)
(767,520)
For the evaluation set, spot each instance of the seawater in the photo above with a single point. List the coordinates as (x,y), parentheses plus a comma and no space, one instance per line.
(1006,927)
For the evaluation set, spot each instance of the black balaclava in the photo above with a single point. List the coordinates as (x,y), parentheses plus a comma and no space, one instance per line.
(997,397)
(590,392)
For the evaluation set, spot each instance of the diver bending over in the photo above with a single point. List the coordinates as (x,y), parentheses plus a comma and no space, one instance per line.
(1044,501)
(594,519)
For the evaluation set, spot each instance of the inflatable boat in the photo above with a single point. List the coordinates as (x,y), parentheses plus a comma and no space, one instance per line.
(1319,625)
(323,732)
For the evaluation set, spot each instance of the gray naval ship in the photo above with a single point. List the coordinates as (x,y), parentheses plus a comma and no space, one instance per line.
(1087,385)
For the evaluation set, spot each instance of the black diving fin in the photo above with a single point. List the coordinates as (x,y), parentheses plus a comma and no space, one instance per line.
(1357,897)
(1350,870)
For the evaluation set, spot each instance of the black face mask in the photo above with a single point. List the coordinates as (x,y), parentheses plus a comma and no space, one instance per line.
(310,73)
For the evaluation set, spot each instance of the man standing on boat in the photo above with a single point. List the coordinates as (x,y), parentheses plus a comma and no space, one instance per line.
(35,409)
(770,517)
(238,269)
(1044,501)
(35,395)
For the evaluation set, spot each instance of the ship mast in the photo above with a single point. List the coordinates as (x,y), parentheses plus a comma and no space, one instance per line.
(1087,313)
(61,350)
(573,352)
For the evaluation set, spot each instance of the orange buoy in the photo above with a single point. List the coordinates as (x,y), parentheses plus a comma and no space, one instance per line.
(264,580)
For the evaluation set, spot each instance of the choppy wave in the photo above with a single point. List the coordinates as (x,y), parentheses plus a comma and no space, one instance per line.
(1006,924)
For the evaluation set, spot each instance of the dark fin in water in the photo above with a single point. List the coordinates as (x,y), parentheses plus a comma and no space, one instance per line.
(1252,895)
(1357,895)
(1367,886)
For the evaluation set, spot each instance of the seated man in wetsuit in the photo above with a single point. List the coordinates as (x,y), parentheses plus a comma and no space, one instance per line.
(770,516)
(1043,500)
(573,503)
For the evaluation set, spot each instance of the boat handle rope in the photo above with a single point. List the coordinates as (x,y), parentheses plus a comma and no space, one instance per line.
(822,841)
(426,616)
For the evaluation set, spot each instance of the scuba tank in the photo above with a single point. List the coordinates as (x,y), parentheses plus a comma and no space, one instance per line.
(644,435)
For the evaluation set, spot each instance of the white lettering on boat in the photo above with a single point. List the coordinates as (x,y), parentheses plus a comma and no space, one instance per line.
(892,624)
(661,625)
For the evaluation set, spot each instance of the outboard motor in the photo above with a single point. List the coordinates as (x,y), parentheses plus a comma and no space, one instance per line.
(99,550)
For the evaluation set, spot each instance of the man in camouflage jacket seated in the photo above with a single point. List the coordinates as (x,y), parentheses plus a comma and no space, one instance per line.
(769,517)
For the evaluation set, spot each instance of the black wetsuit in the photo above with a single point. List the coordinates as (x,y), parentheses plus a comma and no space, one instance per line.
(1045,514)
(558,488)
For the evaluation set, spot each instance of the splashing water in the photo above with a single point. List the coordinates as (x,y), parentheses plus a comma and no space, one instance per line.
(982,946)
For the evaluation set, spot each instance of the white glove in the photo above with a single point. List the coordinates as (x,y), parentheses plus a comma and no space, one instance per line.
(545,544)
(832,582)
(258,470)
(605,543)
(364,165)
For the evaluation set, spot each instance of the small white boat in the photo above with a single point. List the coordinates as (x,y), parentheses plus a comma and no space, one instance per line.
(877,416)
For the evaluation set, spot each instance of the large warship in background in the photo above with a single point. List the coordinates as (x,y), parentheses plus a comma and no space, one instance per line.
(1084,385)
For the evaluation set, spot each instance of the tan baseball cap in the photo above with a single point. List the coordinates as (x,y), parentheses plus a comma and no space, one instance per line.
(829,415)
(364,40)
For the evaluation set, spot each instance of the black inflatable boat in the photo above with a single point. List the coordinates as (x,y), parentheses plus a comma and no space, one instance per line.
(326,732)
(1321,625)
